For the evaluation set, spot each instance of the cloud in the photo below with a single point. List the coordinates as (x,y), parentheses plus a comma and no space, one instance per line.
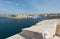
(11,3)
(29,6)
(45,6)
(8,2)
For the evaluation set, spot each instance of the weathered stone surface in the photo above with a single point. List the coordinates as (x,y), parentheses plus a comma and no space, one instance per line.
(31,35)
(17,36)
(44,26)
(58,30)
(56,37)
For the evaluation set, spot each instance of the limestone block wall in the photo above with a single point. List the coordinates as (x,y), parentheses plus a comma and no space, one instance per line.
(17,36)
(58,30)
(31,35)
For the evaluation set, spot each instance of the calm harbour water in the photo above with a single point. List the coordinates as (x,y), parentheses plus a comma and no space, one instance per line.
(9,27)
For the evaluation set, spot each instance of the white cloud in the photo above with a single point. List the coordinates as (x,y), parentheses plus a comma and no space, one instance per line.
(48,5)
(8,2)
(35,5)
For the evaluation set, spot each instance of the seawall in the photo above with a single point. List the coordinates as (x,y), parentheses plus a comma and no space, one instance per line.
(37,31)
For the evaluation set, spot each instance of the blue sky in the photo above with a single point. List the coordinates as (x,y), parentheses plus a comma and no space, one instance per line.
(29,6)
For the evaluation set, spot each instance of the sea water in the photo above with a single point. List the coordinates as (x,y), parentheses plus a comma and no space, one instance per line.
(9,26)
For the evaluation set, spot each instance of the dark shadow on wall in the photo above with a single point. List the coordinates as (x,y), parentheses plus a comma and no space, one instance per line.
(31,35)
(57,33)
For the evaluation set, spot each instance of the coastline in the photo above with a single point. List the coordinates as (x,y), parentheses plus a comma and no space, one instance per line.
(38,28)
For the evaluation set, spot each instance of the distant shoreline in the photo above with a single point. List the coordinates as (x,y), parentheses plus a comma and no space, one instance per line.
(50,16)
